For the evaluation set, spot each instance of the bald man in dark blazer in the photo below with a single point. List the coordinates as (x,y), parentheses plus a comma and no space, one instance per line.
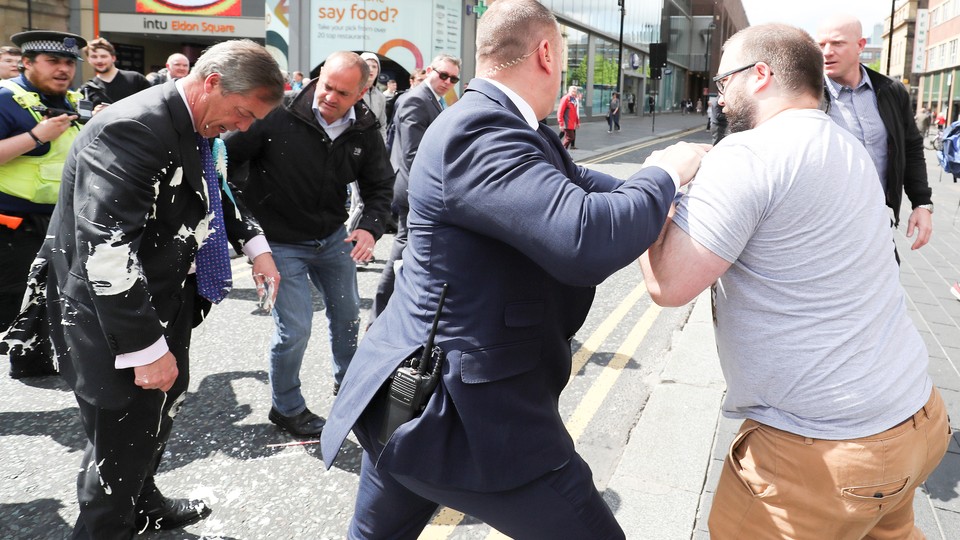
(520,235)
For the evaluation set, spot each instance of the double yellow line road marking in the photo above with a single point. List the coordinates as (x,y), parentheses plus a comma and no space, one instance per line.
(446,520)
(638,146)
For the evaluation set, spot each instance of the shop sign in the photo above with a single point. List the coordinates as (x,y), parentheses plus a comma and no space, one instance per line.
(218,27)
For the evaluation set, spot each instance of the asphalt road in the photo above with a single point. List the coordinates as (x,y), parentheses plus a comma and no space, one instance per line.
(221,446)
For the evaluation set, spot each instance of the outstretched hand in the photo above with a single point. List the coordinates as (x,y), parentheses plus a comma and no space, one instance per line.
(683,157)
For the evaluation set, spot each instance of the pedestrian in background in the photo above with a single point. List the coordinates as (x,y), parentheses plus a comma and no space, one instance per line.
(115,274)
(501,215)
(923,121)
(9,62)
(833,388)
(297,82)
(613,113)
(569,118)
(110,84)
(177,67)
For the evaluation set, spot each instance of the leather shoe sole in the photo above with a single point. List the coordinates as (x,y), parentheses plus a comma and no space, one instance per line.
(305,424)
(173,514)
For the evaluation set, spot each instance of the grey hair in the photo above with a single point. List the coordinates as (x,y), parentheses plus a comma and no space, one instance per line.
(444,57)
(350,59)
(243,66)
(509,29)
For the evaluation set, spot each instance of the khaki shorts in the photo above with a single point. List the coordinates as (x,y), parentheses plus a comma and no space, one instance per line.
(775,484)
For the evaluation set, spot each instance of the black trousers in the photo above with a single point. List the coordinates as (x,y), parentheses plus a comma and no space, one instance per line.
(388,277)
(124,446)
(19,247)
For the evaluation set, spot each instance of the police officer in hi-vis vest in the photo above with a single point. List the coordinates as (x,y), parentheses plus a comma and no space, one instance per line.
(38,122)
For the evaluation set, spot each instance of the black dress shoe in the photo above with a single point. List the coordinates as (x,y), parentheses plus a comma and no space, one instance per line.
(20,369)
(172,514)
(305,424)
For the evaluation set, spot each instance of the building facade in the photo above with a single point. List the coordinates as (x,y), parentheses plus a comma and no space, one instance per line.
(408,33)
(938,89)
(899,51)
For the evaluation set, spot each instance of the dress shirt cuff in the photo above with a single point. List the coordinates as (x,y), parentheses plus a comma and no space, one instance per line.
(143,357)
(669,170)
(256,246)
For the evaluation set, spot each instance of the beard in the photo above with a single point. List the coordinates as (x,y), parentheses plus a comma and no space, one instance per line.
(102,70)
(742,118)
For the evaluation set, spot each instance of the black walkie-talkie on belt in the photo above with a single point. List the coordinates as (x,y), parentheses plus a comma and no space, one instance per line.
(414,381)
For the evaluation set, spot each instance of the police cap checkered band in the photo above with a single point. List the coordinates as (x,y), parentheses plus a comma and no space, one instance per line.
(49,42)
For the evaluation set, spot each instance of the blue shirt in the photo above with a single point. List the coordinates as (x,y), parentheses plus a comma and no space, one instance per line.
(338,126)
(856,110)
(15,120)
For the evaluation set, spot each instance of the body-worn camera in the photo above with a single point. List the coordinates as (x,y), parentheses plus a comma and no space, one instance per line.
(83,113)
(414,381)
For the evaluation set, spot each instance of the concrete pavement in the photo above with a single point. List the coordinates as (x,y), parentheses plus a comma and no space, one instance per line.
(665,481)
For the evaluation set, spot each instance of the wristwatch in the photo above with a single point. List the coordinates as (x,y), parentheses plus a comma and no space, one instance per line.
(927,207)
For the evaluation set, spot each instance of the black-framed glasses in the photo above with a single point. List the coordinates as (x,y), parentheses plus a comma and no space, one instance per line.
(719,79)
(444,76)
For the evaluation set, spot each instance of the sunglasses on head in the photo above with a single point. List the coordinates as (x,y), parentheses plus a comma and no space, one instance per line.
(444,76)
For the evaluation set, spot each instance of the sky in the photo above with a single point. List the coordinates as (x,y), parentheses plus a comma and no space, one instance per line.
(807,13)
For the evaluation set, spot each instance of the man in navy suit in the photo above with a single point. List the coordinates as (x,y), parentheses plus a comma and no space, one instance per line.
(521,236)
(137,203)
(416,110)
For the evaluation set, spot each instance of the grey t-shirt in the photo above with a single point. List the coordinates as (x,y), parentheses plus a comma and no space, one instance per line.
(811,322)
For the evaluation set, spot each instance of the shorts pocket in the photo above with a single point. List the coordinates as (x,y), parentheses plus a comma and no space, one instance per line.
(743,457)
(876,493)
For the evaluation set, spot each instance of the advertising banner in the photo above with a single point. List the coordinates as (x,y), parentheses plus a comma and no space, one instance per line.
(229,8)
(220,19)
(409,32)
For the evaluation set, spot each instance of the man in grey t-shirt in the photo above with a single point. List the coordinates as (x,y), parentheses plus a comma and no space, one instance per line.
(811,361)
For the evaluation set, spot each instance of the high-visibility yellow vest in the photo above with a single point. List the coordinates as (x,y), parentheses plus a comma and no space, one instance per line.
(37,178)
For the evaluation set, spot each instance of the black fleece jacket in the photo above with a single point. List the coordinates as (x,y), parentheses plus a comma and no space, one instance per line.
(294,178)
(906,168)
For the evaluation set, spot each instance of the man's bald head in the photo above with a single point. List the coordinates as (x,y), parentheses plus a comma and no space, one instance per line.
(178,66)
(842,22)
(840,38)
(510,32)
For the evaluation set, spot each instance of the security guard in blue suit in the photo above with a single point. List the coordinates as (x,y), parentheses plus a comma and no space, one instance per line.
(520,235)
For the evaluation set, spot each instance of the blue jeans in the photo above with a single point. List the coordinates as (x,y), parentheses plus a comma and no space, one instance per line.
(327,264)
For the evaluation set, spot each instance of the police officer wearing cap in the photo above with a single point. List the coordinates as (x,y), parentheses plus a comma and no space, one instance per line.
(34,140)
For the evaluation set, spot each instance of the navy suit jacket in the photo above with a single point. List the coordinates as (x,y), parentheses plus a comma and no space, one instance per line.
(522,235)
(126,229)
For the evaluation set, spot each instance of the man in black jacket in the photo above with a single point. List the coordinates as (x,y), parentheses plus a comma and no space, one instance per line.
(301,158)
(876,109)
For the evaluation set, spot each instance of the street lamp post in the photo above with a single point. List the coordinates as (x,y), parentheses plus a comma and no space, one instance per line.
(893,11)
(706,61)
(620,60)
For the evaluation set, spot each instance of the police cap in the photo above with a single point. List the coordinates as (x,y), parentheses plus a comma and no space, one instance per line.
(50,42)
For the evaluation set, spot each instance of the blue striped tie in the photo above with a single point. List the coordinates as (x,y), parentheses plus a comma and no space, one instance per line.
(214,275)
